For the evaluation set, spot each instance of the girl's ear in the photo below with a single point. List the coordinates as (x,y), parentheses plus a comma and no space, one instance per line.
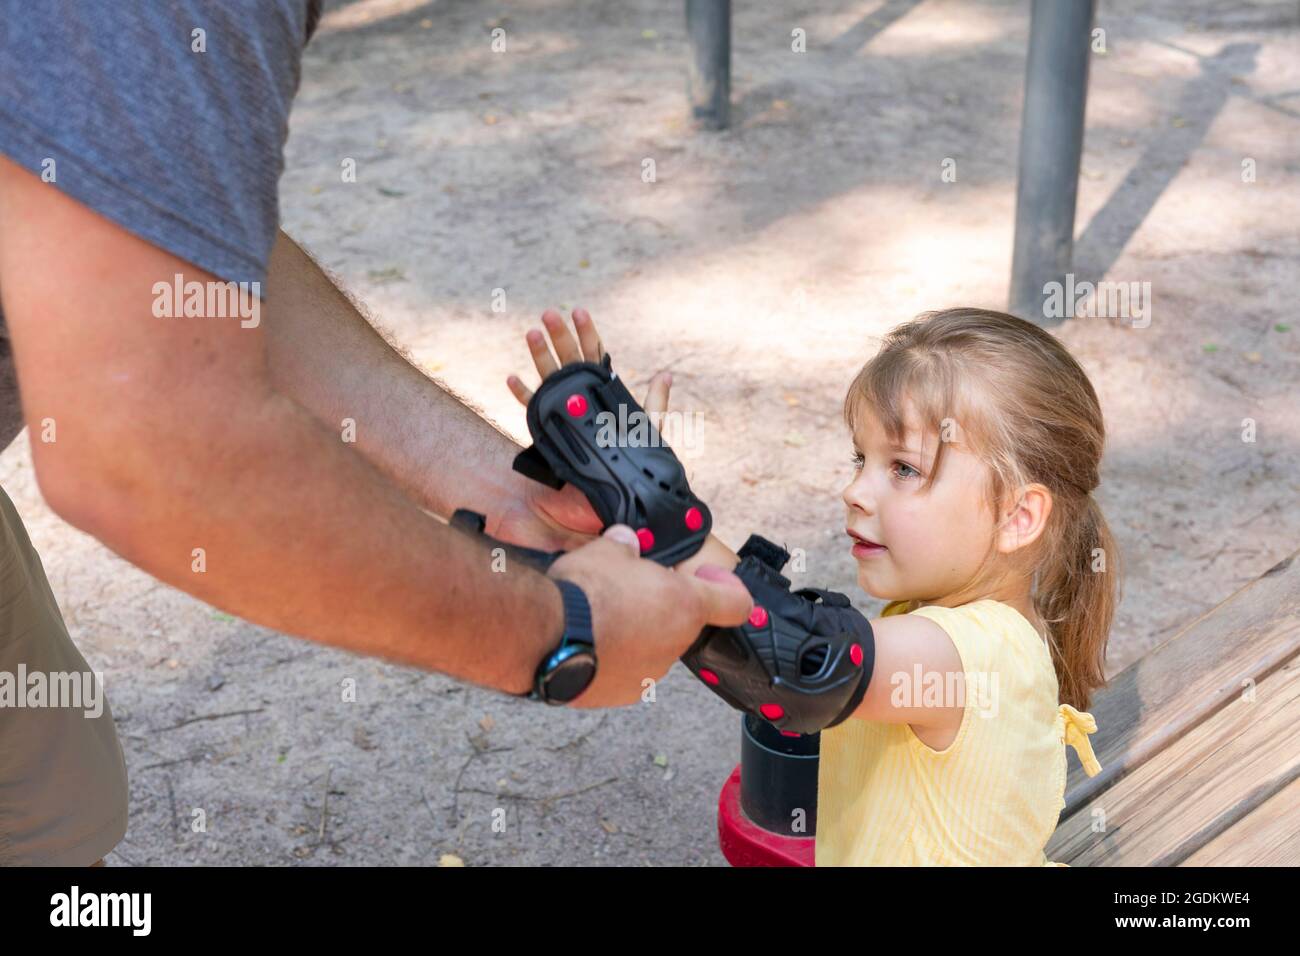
(1024,521)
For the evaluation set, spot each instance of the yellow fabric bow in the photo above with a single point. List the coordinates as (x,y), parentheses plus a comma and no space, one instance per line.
(1078,724)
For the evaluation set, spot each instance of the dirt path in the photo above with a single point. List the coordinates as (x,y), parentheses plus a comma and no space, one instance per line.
(760,265)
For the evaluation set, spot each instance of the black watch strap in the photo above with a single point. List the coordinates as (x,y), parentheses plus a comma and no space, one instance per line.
(577,639)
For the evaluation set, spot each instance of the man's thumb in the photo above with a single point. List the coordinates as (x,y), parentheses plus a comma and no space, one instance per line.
(727,602)
(622,534)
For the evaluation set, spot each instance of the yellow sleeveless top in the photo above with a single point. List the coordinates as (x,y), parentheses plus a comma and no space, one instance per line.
(993,797)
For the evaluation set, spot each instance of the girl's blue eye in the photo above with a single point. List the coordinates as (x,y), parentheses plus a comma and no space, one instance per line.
(858,461)
(903,464)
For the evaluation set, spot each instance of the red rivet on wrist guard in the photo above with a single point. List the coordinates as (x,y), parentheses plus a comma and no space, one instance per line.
(647,539)
(855,654)
(694,520)
(709,677)
(758,616)
(576,405)
(772,711)
(791,733)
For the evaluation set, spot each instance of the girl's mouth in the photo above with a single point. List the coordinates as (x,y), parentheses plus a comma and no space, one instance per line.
(864,547)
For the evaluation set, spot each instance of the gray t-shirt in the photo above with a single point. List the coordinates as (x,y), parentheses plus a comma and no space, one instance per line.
(170,119)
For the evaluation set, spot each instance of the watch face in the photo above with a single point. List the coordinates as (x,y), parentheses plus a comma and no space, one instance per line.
(571,677)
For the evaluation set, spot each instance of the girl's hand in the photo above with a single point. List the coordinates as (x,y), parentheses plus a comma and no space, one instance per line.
(563,519)
(586,348)
(567,511)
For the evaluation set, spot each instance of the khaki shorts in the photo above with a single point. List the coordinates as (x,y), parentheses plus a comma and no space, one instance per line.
(63,794)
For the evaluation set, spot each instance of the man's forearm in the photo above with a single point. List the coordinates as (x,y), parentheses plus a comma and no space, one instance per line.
(159,432)
(325,355)
(298,534)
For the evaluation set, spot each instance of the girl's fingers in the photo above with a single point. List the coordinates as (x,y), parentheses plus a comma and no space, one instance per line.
(588,337)
(542,357)
(521,391)
(586,347)
(656,398)
(566,346)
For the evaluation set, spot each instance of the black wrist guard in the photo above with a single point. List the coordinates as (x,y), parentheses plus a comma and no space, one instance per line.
(577,419)
(802,661)
(473,523)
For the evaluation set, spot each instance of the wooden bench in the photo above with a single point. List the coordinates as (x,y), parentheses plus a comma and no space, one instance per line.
(1199,744)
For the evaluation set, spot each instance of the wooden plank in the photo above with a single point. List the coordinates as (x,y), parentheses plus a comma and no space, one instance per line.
(1190,677)
(1215,776)
(1268,837)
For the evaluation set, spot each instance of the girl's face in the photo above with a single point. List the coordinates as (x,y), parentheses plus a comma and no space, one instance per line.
(924,544)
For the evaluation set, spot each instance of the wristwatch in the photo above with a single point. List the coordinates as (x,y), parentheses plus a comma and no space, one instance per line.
(568,670)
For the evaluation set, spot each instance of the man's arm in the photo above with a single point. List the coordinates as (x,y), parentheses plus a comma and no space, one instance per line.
(168,439)
(173,447)
(326,356)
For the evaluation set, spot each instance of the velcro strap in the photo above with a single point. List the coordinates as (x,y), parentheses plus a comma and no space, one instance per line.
(829,598)
(773,555)
(531,464)
(473,523)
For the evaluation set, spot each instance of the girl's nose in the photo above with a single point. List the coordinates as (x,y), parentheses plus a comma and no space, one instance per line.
(857,495)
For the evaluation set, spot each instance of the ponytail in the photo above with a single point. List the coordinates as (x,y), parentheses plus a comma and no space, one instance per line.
(1076,597)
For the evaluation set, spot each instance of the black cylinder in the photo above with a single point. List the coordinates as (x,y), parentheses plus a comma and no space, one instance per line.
(778,776)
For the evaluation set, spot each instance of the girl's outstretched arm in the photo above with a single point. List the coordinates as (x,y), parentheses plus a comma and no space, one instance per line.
(913,653)
(907,647)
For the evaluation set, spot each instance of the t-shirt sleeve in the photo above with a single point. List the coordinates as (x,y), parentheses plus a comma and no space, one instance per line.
(168,118)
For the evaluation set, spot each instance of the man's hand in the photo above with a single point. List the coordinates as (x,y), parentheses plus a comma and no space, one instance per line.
(644,616)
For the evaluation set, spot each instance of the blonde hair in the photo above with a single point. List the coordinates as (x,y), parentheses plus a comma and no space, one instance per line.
(1027,409)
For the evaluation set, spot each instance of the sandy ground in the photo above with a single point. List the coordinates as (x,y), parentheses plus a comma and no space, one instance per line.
(760,265)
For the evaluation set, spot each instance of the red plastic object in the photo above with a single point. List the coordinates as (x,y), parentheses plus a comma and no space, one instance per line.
(646,538)
(758,616)
(745,843)
(694,520)
(576,405)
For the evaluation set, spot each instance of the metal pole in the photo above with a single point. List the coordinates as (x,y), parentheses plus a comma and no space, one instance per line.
(708,23)
(1051,143)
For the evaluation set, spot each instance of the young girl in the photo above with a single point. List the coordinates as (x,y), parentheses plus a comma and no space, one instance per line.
(976,445)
